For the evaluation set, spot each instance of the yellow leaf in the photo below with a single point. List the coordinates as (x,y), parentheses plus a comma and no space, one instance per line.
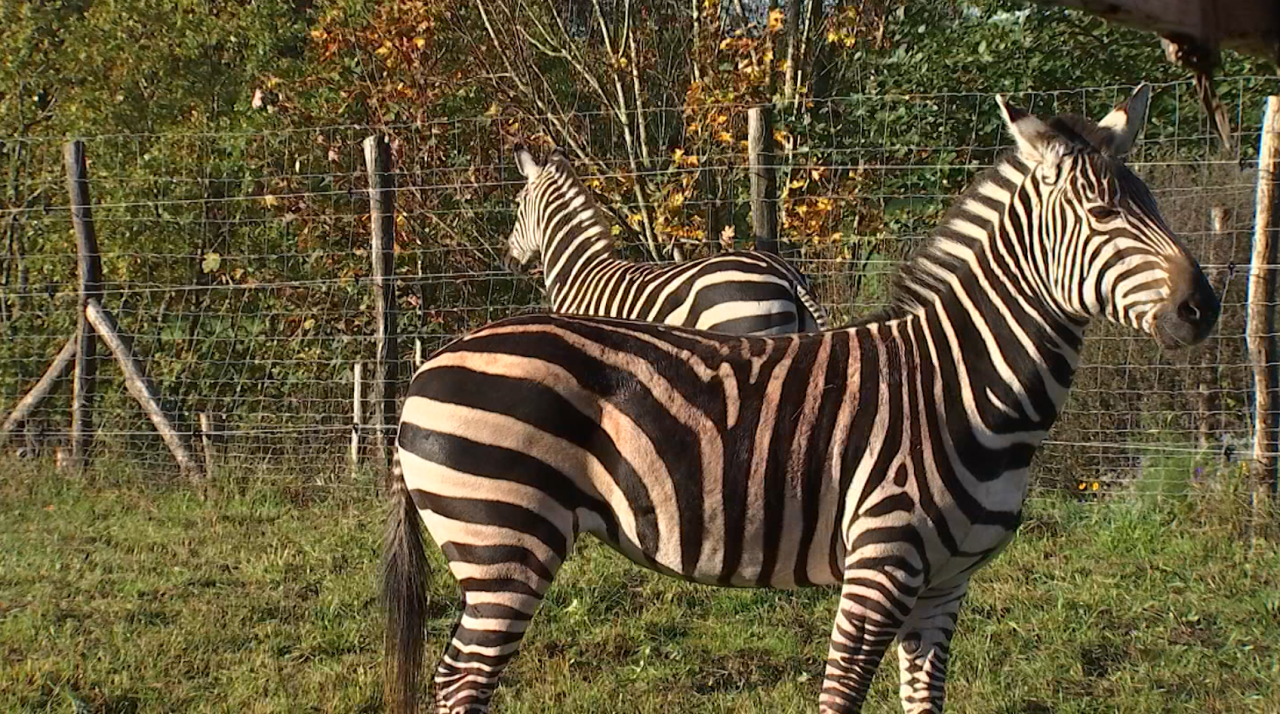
(775,20)
(384,50)
(271,200)
(420,42)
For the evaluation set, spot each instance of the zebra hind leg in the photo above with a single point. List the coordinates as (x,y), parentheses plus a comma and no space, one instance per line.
(874,602)
(924,646)
(502,588)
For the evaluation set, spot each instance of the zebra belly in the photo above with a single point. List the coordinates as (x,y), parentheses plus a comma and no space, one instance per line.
(745,557)
(980,546)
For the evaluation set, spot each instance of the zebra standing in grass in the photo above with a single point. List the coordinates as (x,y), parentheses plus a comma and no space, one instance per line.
(742,292)
(889,458)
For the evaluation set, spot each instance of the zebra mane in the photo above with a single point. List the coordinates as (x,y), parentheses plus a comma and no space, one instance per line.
(1082,132)
(559,165)
(917,277)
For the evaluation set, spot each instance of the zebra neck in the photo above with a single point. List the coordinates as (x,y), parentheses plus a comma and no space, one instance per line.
(982,311)
(573,252)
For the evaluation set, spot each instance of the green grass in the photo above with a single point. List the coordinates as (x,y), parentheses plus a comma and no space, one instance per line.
(120,597)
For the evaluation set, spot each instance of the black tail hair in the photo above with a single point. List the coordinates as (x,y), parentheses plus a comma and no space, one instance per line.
(406,581)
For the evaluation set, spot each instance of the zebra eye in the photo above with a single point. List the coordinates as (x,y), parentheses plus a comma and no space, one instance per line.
(1103,213)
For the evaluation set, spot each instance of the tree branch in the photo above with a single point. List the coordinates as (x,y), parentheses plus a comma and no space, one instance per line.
(638,183)
(525,88)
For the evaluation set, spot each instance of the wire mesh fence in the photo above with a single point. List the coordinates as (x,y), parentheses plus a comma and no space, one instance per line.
(238,264)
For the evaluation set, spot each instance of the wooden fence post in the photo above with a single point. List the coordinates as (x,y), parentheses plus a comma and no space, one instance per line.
(764,183)
(208,433)
(1260,333)
(1210,371)
(382,214)
(89,271)
(357,414)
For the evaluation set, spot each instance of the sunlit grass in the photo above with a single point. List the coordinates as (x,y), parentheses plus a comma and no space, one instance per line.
(118,596)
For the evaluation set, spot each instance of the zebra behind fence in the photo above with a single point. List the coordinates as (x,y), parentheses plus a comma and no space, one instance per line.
(741,292)
(889,458)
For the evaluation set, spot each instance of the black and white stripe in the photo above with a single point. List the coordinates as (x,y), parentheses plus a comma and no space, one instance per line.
(741,292)
(889,458)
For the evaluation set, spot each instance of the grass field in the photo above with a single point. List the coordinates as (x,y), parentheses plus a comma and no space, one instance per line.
(120,597)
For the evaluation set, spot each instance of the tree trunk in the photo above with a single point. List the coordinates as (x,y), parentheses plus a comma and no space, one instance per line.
(793,51)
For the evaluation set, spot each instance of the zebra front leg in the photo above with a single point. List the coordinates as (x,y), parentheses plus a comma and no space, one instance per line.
(924,646)
(878,593)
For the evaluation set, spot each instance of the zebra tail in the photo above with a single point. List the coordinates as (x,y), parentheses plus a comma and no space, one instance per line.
(817,317)
(405,586)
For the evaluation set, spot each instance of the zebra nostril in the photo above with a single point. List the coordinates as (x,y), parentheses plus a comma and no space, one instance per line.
(1188,312)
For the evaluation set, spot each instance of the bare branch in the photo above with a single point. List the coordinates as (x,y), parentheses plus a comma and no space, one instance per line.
(641,126)
(624,120)
(525,88)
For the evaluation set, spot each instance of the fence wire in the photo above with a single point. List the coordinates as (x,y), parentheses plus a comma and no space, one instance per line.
(238,264)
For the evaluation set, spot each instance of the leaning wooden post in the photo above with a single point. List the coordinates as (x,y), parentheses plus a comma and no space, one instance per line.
(382,215)
(51,376)
(89,271)
(1260,333)
(764,184)
(357,415)
(140,387)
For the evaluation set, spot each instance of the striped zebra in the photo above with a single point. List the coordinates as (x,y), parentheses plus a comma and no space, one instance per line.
(741,292)
(889,458)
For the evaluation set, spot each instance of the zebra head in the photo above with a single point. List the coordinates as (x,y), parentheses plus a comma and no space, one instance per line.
(1096,241)
(553,205)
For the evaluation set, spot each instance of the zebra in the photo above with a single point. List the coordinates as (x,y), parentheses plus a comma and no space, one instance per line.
(739,292)
(889,458)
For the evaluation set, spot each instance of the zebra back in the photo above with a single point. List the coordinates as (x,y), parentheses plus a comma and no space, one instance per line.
(741,292)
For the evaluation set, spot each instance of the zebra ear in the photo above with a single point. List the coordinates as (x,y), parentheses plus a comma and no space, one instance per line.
(1037,142)
(1126,120)
(528,165)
